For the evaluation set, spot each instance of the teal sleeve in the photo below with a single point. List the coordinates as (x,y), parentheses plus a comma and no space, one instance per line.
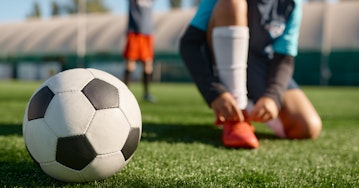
(288,42)
(203,14)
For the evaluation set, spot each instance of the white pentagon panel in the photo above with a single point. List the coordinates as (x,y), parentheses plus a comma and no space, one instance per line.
(108,131)
(130,107)
(69,114)
(108,78)
(40,141)
(69,80)
(104,166)
(61,172)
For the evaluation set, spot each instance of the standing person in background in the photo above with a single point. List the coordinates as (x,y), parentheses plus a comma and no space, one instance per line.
(140,43)
(237,50)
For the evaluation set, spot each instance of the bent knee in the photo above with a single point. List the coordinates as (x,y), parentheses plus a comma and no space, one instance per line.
(231,5)
(314,127)
(230,12)
(309,129)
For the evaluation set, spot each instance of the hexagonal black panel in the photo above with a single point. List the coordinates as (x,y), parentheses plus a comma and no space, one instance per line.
(131,143)
(74,152)
(39,103)
(101,94)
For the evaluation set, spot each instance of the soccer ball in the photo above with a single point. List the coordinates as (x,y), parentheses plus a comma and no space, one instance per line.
(82,125)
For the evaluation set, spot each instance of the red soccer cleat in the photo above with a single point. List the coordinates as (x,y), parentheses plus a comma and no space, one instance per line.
(238,134)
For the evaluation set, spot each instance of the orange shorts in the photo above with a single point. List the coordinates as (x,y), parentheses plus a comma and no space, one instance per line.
(139,47)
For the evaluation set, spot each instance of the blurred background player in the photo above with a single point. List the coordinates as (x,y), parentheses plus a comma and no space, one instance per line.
(232,47)
(139,46)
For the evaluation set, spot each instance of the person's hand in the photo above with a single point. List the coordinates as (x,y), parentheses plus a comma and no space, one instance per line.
(264,110)
(226,109)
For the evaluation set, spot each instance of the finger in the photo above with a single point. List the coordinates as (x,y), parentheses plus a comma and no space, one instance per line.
(251,115)
(236,115)
(265,117)
(222,114)
(221,118)
(230,113)
(231,117)
(240,116)
(257,114)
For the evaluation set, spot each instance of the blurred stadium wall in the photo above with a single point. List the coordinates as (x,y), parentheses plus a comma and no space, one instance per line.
(37,49)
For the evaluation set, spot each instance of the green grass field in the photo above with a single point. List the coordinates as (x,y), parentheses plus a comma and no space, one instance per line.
(180,147)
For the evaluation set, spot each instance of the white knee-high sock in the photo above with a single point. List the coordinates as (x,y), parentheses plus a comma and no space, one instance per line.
(277,126)
(230,48)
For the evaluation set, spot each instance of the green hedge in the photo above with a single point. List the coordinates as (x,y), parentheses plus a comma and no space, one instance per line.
(343,66)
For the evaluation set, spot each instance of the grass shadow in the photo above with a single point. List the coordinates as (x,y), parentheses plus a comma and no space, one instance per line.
(10,129)
(203,133)
(173,133)
(27,174)
(267,136)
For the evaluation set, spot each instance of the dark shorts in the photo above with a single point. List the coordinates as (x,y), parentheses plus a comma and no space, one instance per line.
(257,77)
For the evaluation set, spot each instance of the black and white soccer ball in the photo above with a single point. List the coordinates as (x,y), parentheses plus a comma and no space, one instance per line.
(82,125)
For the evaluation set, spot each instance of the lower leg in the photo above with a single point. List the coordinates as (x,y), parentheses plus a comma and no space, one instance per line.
(127,78)
(230,37)
(147,77)
(130,67)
